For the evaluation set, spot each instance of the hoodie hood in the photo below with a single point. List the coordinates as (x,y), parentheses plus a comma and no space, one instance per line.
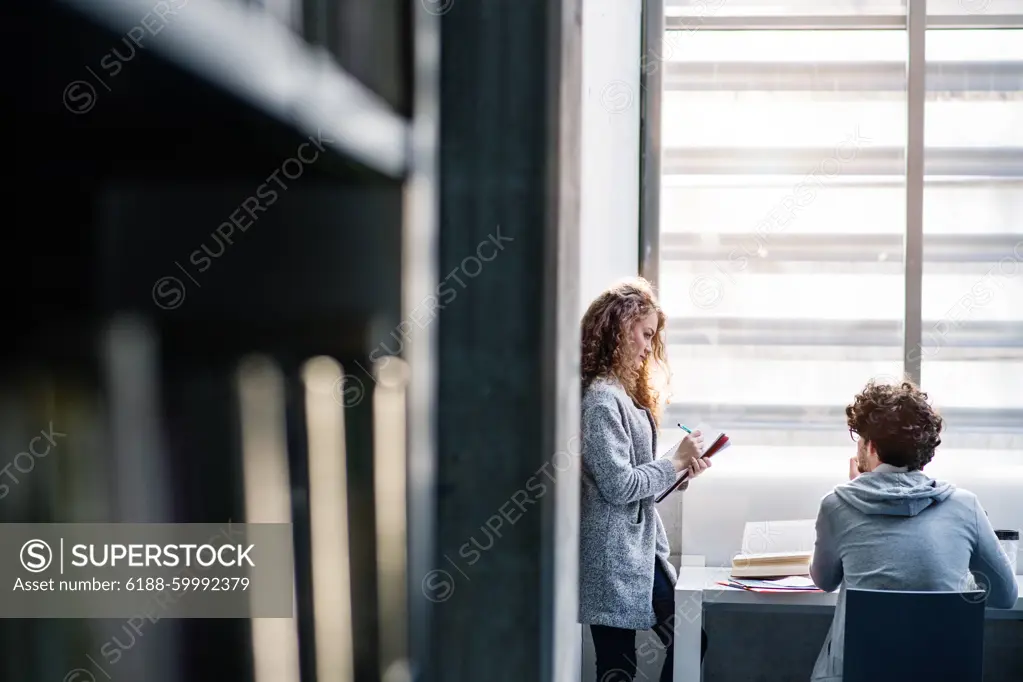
(891,492)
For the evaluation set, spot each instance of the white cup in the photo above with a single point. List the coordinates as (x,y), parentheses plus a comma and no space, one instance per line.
(1009,540)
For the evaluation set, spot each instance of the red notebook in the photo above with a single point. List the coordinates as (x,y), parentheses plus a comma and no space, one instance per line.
(719,443)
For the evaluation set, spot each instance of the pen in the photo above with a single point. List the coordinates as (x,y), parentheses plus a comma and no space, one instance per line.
(684,428)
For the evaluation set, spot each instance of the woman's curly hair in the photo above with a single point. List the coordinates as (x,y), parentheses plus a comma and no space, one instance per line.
(899,421)
(605,342)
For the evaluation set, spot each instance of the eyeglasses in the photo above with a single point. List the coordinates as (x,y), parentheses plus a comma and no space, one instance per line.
(855,436)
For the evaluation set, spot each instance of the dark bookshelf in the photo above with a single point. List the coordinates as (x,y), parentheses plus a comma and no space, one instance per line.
(199,183)
(122,178)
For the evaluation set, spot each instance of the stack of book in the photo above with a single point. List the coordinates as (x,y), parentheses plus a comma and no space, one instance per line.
(771,564)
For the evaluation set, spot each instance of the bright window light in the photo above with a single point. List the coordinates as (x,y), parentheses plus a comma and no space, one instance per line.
(783,217)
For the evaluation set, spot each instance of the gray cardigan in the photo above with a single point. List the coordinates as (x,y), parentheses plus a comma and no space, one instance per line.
(621,534)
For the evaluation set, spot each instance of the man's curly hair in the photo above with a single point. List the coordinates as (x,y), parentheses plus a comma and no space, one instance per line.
(899,421)
(605,341)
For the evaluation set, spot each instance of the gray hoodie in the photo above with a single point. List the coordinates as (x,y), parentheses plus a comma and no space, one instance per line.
(893,529)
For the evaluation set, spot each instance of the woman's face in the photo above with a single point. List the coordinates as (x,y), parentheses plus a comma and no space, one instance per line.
(641,338)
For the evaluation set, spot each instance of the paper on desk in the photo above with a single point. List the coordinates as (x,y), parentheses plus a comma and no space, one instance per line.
(792,581)
(790,584)
(770,584)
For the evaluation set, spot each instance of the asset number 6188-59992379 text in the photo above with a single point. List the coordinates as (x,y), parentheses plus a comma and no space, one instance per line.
(214,584)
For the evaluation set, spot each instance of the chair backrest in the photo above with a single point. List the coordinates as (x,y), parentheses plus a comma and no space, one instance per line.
(895,636)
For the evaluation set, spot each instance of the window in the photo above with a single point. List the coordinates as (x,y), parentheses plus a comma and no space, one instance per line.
(972,293)
(786,205)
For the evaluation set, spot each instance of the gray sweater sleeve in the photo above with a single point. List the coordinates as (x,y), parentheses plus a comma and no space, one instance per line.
(606,453)
(991,566)
(826,566)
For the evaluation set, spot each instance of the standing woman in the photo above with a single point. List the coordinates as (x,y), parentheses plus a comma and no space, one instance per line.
(625,581)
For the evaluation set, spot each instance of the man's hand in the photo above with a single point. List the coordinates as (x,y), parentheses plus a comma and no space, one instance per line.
(854,468)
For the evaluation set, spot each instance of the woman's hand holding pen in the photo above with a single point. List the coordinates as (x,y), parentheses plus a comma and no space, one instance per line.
(687,455)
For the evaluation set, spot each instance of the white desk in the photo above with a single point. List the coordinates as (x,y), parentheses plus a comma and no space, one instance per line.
(698,586)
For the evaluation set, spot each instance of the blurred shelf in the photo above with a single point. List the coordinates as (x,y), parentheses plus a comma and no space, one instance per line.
(248,53)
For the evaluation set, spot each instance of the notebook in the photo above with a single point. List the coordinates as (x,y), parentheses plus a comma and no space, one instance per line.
(713,443)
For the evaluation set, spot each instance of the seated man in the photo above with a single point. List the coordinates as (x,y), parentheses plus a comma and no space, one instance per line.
(892,527)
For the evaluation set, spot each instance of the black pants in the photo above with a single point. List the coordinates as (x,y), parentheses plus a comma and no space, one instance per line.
(615,648)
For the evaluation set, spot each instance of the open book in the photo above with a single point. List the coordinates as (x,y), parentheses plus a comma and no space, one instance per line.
(769,565)
(713,443)
(773,549)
